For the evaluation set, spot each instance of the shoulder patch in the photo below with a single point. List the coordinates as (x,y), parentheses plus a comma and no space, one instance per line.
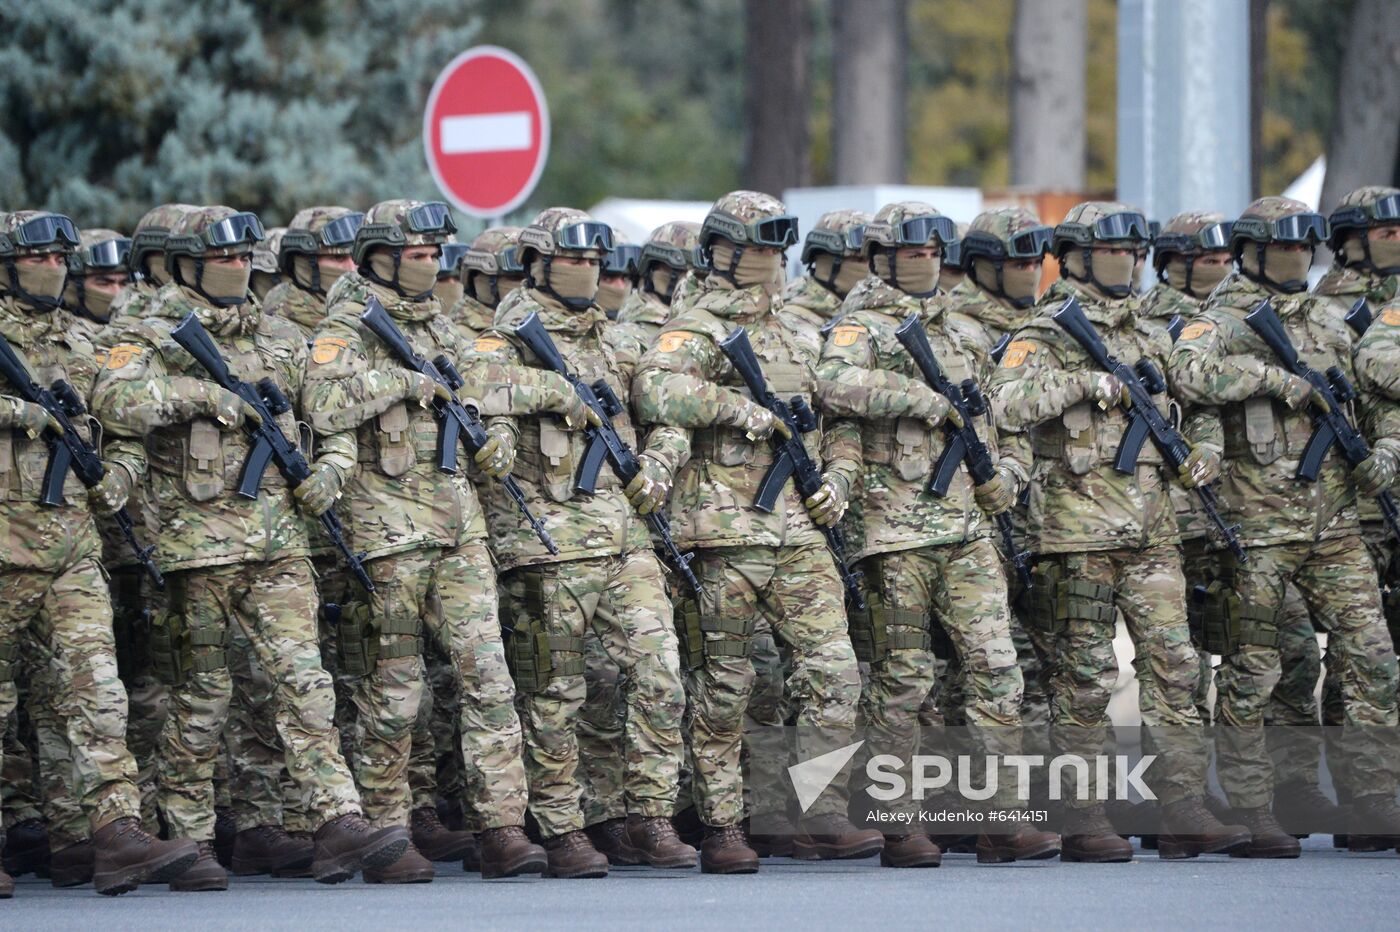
(847,334)
(1391,316)
(1199,328)
(672,340)
(122,355)
(488,344)
(1017,354)
(326,350)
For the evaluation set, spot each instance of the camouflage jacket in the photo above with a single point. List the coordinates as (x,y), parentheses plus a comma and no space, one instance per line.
(131,301)
(152,389)
(1041,399)
(644,314)
(866,377)
(548,455)
(994,319)
(815,303)
(686,386)
(363,410)
(1341,286)
(1219,361)
(304,308)
(470,316)
(38,537)
(1377,362)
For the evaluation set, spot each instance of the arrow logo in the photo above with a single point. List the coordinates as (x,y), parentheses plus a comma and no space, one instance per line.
(811,777)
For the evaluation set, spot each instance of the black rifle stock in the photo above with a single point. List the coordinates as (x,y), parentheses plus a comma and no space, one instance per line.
(962,444)
(270,445)
(459,424)
(791,460)
(1175,326)
(604,441)
(1144,420)
(68,451)
(1329,429)
(1359,317)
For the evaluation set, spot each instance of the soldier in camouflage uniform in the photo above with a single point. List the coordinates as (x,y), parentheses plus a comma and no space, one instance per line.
(449,288)
(713,439)
(1299,532)
(424,536)
(835,261)
(491,270)
(953,268)
(267,269)
(230,560)
(617,278)
(605,577)
(666,266)
(55,594)
(1105,540)
(926,560)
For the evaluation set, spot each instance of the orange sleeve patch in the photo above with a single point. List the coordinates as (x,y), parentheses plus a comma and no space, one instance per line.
(122,355)
(1017,354)
(1200,328)
(672,341)
(326,349)
(1391,316)
(488,344)
(847,335)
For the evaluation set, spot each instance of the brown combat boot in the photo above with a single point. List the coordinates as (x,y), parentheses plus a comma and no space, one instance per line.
(270,849)
(348,843)
(411,867)
(1374,824)
(655,840)
(506,852)
(610,837)
(724,851)
(832,837)
(1089,837)
(910,851)
(573,857)
(126,856)
(71,866)
(225,834)
(1190,829)
(1301,807)
(1267,839)
(771,844)
(206,875)
(1025,843)
(435,841)
(27,849)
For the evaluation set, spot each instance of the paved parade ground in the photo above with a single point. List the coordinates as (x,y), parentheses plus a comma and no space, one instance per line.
(1326,889)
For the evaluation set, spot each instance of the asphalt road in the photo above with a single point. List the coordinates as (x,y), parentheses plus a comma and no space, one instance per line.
(1325,889)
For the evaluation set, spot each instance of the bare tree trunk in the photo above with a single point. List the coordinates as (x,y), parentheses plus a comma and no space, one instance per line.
(868,125)
(1366,122)
(1258,86)
(1049,42)
(775,95)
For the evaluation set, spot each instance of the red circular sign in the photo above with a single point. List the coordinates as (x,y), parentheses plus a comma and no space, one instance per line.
(486,131)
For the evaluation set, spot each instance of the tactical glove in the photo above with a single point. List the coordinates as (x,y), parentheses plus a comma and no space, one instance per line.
(497,455)
(1106,391)
(33,418)
(648,489)
(1292,390)
(1375,473)
(760,424)
(111,494)
(561,399)
(930,406)
(997,494)
(829,503)
(318,491)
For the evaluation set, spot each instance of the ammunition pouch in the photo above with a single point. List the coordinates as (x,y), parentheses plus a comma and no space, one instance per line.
(178,649)
(881,628)
(688,633)
(356,643)
(1228,623)
(536,657)
(8,652)
(1056,601)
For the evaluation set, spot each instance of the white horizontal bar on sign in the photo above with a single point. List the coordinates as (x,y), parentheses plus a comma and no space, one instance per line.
(486,132)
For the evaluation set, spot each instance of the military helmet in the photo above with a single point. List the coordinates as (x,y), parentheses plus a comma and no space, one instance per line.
(1005,233)
(494,252)
(325,230)
(1371,206)
(214,231)
(953,252)
(36,232)
(675,244)
(1190,234)
(749,218)
(100,250)
(450,260)
(1278,220)
(265,252)
(624,258)
(399,223)
(564,229)
(151,232)
(1100,222)
(837,233)
(908,223)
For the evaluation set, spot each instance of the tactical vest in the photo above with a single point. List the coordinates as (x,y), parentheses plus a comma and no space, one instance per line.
(24,462)
(406,434)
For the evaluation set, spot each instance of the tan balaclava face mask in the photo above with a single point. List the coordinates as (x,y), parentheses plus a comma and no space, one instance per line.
(1204,277)
(662,280)
(1385,253)
(853,270)
(1020,284)
(1285,270)
(1113,271)
(97,303)
(330,273)
(575,285)
(44,282)
(612,291)
(755,268)
(948,278)
(448,291)
(917,277)
(224,285)
(416,277)
(155,264)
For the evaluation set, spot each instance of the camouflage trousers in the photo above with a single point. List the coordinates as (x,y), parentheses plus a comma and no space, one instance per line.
(1338,584)
(134,602)
(21,797)
(435,767)
(798,591)
(53,758)
(68,616)
(623,599)
(274,607)
(765,763)
(450,596)
(1076,598)
(601,725)
(961,588)
(1297,750)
